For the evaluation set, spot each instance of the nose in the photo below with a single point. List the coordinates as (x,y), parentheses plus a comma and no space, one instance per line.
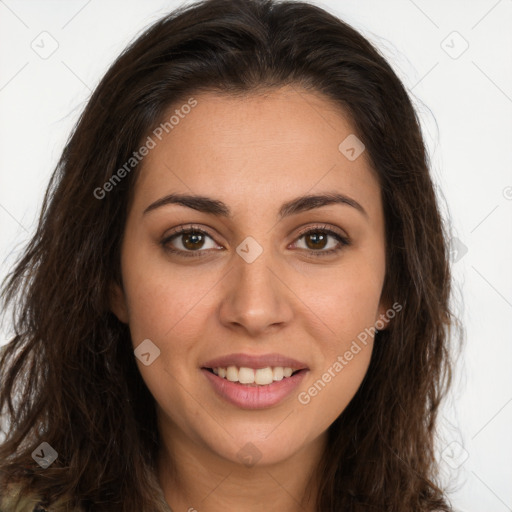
(256,298)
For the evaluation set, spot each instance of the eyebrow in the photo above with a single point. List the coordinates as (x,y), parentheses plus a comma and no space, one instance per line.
(218,208)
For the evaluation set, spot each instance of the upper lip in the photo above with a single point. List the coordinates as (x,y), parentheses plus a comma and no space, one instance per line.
(254,361)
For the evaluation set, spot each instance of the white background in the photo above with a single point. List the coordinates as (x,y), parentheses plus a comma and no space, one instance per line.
(465,105)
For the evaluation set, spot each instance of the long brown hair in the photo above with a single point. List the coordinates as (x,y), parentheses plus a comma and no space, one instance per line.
(69,376)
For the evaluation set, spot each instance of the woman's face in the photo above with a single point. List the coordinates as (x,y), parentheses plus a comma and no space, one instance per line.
(253,290)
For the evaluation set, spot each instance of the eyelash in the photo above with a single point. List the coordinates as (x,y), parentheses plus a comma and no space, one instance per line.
(194,254)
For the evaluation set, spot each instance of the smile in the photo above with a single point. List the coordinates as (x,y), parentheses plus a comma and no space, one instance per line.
(248,394)
(254,376)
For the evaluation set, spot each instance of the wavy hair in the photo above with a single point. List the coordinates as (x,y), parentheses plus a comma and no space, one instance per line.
(69,376)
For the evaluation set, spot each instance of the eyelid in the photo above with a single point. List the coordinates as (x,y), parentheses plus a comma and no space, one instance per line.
(184,229)
(332,231)
(322,227)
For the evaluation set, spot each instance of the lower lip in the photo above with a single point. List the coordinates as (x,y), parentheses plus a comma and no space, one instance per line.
(254,397)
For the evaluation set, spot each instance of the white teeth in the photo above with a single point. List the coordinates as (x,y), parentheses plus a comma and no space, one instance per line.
(264,376)
(232,373)
(259,376)
(246,375)
(278,373)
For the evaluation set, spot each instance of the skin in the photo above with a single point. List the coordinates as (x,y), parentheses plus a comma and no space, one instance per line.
(253,153)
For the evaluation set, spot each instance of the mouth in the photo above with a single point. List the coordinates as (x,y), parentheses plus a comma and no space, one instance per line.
(254,388)
(254,377)
(251,381)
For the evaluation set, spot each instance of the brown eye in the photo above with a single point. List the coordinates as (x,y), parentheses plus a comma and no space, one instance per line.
(192,240)
(188,242)
(317,240)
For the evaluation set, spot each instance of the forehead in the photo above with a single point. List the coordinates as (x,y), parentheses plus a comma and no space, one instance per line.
(281,142)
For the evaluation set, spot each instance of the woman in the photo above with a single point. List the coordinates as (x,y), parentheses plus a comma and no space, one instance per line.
(237,294)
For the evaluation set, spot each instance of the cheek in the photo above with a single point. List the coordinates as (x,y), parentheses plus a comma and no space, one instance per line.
(163,312)
(159,295)
(346,354)
(326,394)
(346,301)
(348,306)
(165,306)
